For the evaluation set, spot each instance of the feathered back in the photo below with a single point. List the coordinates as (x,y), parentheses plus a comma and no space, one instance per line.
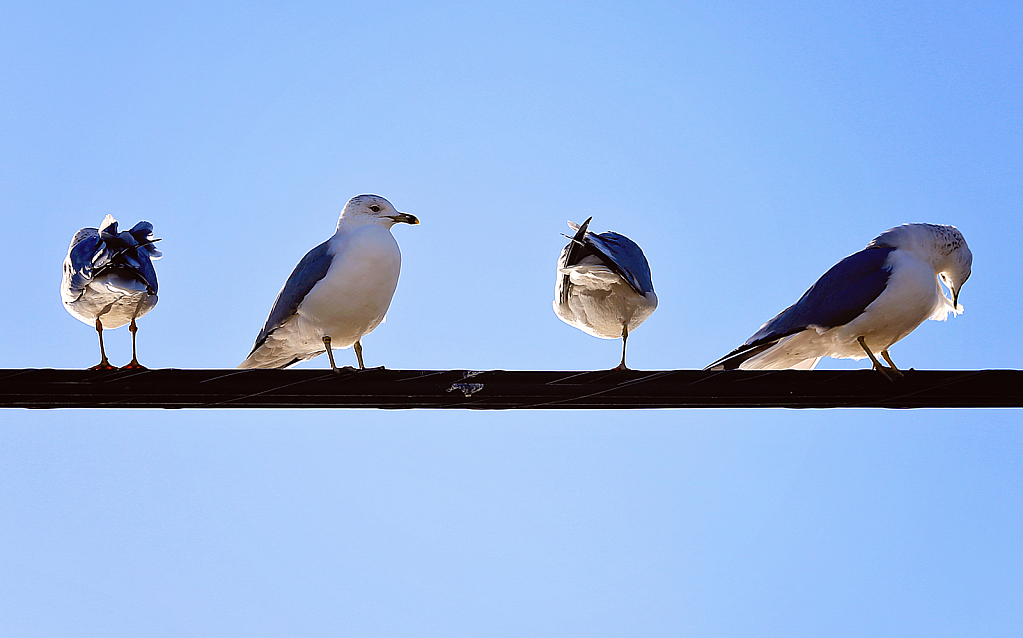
(618,252)
(95,250)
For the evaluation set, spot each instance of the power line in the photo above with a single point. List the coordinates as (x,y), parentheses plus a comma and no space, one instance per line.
(503,389)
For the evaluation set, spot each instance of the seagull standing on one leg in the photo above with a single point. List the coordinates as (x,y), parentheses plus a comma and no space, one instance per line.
(603,285)
(865,303)
(338,293)
(109,280)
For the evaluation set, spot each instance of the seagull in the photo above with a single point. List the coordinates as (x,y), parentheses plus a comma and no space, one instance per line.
(865,303)
(603,285)
(109,280)
(338,293)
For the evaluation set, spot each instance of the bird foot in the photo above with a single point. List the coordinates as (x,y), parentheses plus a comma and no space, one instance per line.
(103,365)
(134,365)
(620,367)
(892,374)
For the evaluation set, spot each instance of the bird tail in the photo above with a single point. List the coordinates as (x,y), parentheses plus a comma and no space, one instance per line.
(774,354)
(734,359)
(580,229)
(263,358)
(571,255)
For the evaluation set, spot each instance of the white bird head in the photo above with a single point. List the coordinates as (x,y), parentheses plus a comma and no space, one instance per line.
(959,264)
(943,247)
(373,209)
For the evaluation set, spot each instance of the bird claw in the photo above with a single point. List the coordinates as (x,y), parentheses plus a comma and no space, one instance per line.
(893,375)
(103,365)
(134,365)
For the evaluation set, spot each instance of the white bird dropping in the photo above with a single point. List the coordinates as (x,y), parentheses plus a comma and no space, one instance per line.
(338,293)
(865,303)
(603,285)
(109,280)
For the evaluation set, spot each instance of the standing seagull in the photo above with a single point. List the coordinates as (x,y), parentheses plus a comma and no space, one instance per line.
(338,293)
(109,280)
(865,303)
(603,285)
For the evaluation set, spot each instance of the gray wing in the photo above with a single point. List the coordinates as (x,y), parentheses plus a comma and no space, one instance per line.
(838,297)
(617,252)
(78,270)
(95,250)
(130,250)
(141,256)
(307,273)
(626,258)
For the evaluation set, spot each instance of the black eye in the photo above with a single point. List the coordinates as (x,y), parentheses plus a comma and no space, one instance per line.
(375,208)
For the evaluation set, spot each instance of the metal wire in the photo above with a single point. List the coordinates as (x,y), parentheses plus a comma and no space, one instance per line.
(504,390)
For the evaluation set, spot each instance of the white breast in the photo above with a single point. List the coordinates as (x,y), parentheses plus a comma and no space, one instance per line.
(912,295)
(352,298)
(600,302)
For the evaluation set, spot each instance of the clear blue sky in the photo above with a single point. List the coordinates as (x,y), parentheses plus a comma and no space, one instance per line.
(746,146)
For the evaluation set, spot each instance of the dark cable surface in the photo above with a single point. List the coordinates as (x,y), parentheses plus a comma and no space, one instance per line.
(503,390)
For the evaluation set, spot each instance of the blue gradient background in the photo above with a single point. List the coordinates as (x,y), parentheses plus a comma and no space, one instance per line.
(746,146)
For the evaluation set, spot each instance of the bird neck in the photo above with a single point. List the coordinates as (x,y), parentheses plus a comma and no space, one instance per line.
(934,244)
(346,223)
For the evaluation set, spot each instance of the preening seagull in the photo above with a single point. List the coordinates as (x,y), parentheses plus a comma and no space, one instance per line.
(109,280)
(338,293)
(603,285)
(865,303)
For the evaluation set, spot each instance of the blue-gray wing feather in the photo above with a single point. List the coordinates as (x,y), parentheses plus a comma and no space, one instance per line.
(96,250)
(626,258)
(307,273)
(144,253)
(838,297)
(78,264)
(617,252)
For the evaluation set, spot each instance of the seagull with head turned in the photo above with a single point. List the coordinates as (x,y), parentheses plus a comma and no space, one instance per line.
(603,285)
(109,280)
(338,293)
(865,303)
